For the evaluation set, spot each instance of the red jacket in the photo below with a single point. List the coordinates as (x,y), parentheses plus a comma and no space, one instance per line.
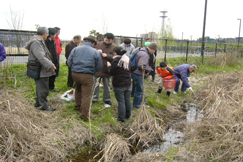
(169,72)
(58,45)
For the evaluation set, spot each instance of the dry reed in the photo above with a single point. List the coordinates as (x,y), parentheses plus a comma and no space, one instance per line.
(26,134)
(146,129)
(115,149)
(219,136)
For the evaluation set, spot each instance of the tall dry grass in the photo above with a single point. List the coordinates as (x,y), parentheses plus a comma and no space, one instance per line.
(26,134)
(146,129)
(115,149)
(219,136)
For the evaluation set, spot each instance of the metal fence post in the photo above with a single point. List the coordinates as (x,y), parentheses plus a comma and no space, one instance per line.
(165,50)
(216,46)
(187,43)
(141,42)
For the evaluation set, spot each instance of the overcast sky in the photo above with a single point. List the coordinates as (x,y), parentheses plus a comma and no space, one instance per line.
(128,17)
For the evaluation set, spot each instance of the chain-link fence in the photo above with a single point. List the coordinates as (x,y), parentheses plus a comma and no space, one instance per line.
(14,42)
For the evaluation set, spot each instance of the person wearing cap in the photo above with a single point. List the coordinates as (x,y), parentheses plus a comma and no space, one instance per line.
(106,47)
(182,72)
(128,46)
(152,60)
(84,62)
(143,67)
(71,45)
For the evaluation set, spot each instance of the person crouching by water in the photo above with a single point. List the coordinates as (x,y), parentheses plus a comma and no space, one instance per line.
(120,68)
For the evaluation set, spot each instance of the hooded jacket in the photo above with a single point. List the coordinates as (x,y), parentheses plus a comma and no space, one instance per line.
(142,61)
(39,52)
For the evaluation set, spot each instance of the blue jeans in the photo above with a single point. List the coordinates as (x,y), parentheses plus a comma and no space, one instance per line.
(123,97)
(183,87)
(138,90)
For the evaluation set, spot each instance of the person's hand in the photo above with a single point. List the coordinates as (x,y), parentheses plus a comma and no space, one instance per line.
(188,78)
(190,88)
(104,55)
(157,67)
(108,64)
(100,50)
(53,67)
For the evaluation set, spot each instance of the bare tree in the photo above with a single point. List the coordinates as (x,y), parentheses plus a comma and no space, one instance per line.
(15,21)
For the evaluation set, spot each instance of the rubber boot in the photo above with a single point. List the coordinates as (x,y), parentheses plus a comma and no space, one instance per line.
(168,93)
(159,90)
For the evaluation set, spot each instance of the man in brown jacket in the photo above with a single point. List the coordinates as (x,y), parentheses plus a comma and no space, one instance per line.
(39,52)
(106,47)
(72,44)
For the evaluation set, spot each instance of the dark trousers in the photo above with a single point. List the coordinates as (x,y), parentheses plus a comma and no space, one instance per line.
(123,97)
(70,78)
(183,87)
(58,66)
(84,83)
(52,82)
(42,91)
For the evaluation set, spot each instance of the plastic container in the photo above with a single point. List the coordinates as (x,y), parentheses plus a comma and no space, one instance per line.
(169,83)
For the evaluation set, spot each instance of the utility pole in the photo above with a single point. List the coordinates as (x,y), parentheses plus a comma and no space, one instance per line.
(239,35)
(203,34)
(163,23)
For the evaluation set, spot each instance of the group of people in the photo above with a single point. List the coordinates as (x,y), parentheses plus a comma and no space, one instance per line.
(93,62)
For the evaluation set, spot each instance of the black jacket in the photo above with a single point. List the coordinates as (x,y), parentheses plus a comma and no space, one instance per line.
(122,77)
(51,46)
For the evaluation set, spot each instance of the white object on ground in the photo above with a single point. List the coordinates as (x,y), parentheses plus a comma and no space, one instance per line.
(69,95)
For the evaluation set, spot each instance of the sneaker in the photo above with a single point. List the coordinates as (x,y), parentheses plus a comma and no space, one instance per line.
(183,92)
(48,109)
(174,92)
(108,102)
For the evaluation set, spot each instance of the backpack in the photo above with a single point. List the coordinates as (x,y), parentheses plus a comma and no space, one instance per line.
(133,60)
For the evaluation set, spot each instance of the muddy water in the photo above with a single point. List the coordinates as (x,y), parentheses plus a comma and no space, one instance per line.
(173,136)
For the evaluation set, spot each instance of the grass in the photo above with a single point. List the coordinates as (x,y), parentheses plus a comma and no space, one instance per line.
(66,121)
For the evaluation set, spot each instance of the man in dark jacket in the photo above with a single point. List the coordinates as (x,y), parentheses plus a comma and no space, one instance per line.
(182,72)
(51,46)
(72,44)
(106,47)
(84,61)
(39,52)
(142,61)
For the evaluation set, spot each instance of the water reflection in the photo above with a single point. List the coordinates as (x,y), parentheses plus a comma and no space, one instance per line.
(174,137)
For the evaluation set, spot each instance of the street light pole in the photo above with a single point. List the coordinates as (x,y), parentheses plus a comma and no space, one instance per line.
(204,24)
(239,35)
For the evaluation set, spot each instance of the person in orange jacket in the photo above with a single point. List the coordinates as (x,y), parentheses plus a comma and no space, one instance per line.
(164,72)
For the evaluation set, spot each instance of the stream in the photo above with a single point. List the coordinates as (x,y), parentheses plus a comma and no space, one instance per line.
(173,136)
